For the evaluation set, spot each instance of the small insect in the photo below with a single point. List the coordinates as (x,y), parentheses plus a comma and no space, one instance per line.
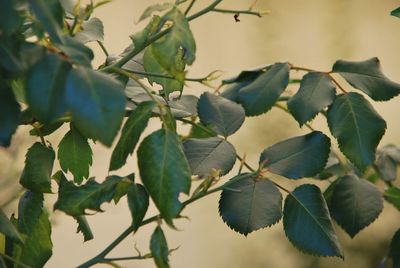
(236,17)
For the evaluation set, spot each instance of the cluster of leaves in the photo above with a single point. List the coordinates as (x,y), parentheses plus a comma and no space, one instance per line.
(45,68)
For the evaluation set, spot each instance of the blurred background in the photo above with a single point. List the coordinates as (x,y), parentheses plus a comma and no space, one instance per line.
(308,33)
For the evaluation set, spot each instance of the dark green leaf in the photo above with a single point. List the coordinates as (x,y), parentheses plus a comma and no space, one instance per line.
(396,12)
(34,223)
(167,48)
(368,77)
(45,88)
(247,75)
(206,155)
(138,201)
(97,103)
(36,175)
(45,130)
(84,228)
(8,229)
(224,116)
(332,168)
(29,209)
(50,14)
(250,204)
(37,248)
(122,188)
(185,106)
(394,252)
(302,156)
(152,65)
(357,127)
(316,92)
(154,8)
(159,248)
(92,30)
(392,195)
(133,128)
(9,114)
(197,132)
(355,204)
(75,200)
(10,19)
(164,171)
(75,155)
(307,223)
(260,95)
(77,51)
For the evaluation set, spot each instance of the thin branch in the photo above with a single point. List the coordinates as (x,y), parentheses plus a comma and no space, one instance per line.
(242,161)
(189,7)
(283,108)
(39,132)
(205,129)
(337,83)
(297,68)
(103,48)
(247,12)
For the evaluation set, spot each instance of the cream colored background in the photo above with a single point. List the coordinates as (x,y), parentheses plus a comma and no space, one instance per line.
(309,33)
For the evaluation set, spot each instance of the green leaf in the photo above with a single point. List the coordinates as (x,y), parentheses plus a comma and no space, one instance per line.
(36,175)
(387,161)
(138,201)
(392,195)
(92,30)
(307,223)
(197,132)
(37,248)
(133,128)
(10,19)
(206,155)
(224,116)
(185,106)
(9,114)
(122,188)
(355,204)
(75,200)
(357,127)
(45,130)
(152,65)
(46,88)
(368,77)
(302,156)
(154,8)
(165,171)
(260,95)
(29,209)
(394,252)
(159,248)
(75,155)
(84,228)
(141,38)
(97,103)
(50,14)
(250,204)
(395,12)
(179,37)
(316,92)
(77,51)
(34,223)
(8,229)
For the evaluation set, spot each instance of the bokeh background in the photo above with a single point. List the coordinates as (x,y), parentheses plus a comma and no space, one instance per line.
(309,33)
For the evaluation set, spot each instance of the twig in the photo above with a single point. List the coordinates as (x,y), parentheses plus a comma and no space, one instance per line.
(190,7)
(283,108)
(103,48)
(247,12)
